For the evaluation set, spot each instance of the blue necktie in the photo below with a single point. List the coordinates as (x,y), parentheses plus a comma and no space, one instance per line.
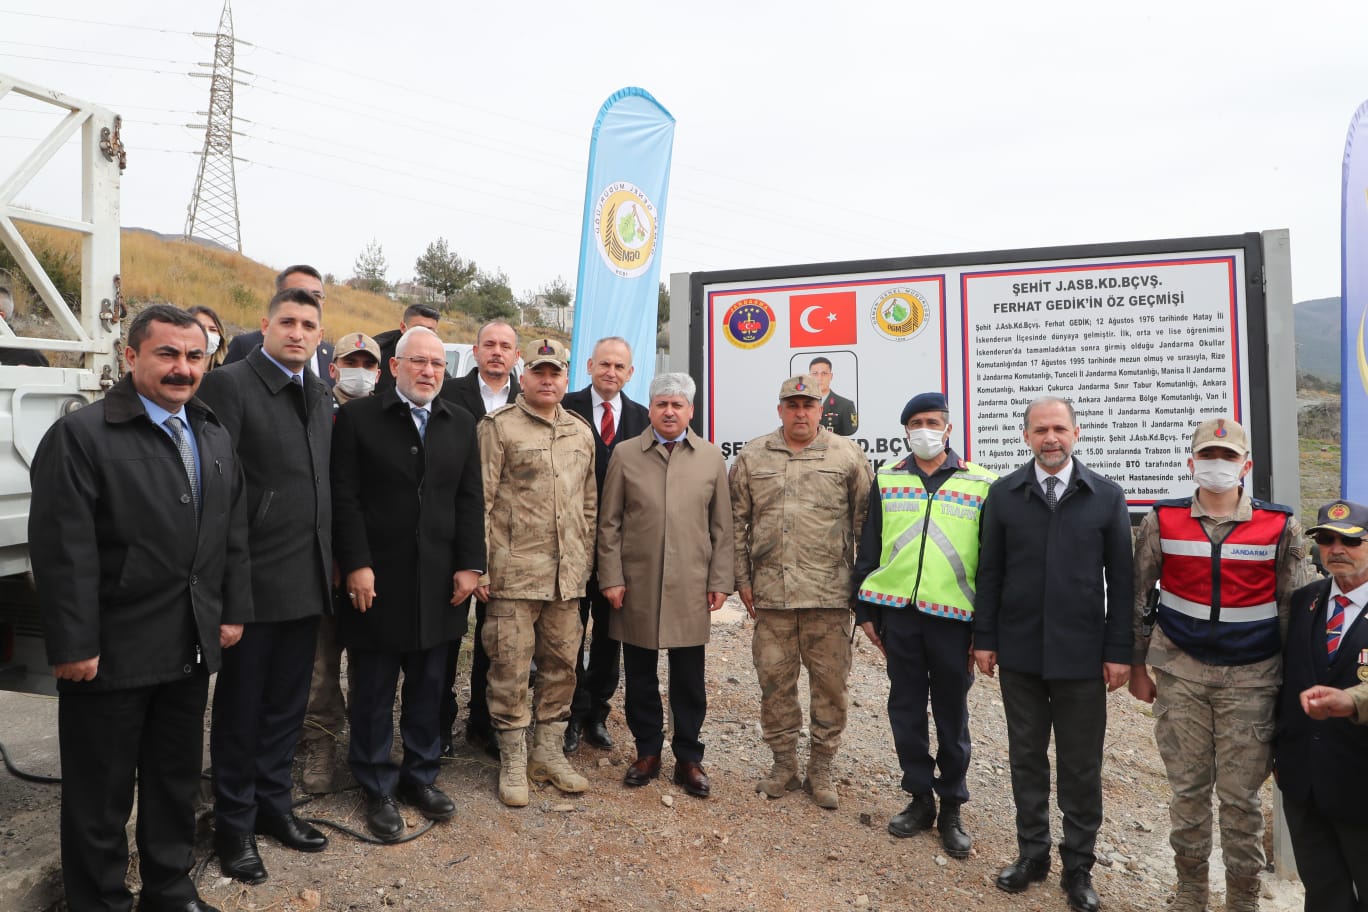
(421,416)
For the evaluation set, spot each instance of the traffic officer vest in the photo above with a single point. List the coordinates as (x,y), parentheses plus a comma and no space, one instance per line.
(930,542)
(1218,601)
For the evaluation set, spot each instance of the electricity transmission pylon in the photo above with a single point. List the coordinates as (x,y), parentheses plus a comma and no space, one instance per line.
(213,210)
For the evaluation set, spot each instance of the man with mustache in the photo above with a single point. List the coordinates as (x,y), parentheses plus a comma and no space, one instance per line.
(1318,751)
(540,509)
(138,536)
(1225,565)
(280,418)
(1053,609)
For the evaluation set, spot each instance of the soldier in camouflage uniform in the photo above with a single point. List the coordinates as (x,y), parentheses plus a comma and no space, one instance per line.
(541,505)
(798,501)
(1216,654)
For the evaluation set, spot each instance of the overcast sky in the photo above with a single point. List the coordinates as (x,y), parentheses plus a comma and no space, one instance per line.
(807,132)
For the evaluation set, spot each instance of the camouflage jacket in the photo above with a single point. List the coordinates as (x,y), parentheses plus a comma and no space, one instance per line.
(541,502)
(796,517)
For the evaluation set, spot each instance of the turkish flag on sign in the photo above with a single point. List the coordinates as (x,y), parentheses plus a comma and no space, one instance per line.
(822,319)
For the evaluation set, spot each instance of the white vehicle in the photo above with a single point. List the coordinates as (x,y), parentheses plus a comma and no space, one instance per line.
(84,335)
(460,358)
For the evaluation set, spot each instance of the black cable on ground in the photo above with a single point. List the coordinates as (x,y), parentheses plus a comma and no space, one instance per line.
(27,777)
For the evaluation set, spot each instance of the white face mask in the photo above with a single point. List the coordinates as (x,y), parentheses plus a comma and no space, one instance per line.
(926,443)
(1216,475)
(214,341)
(356,381)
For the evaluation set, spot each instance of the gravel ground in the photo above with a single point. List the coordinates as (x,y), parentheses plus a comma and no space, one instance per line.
(657,847)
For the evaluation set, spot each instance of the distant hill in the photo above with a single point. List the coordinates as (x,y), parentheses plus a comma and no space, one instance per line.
(1316,324)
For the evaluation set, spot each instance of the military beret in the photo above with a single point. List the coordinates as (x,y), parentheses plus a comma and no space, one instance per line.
(924,402)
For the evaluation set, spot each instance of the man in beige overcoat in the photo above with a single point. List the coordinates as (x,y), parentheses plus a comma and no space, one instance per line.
(665,561)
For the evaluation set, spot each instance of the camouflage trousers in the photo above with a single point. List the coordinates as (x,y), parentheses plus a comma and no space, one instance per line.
(818,638)
(516,631)
(327,712)
(1222,737)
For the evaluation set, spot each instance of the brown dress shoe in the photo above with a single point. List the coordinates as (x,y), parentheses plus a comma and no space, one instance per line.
(689,774)
(642,771)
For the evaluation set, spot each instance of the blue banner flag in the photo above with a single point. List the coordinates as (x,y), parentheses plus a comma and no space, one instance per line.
(1354,304)
(616,293)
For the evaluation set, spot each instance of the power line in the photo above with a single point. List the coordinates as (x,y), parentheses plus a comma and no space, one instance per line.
(123,25)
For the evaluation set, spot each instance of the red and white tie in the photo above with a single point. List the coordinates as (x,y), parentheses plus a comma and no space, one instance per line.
(606,429)
(1334,628)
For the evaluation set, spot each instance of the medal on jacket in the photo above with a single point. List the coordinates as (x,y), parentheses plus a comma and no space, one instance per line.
(1363,665)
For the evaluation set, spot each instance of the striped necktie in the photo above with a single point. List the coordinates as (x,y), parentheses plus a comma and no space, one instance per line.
(421,416)
(1334,628)
(606,429)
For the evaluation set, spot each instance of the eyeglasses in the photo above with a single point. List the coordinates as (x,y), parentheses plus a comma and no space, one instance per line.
(1326,539)
(436,364)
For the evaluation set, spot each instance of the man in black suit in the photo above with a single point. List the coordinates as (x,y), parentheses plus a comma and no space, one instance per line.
(613,417)
(138,536)
(1053,609)
(309,279)
(409,531)
(1318,749)
(280,418)
(489,386)
(424,315)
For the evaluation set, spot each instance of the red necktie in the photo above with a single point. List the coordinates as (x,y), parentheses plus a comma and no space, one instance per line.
(606,429)
(1334,628)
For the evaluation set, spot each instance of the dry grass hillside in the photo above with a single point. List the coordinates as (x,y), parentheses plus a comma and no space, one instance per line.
(237,288)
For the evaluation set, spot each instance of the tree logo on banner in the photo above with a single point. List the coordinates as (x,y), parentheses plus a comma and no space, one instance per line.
(899,314)
(625,227)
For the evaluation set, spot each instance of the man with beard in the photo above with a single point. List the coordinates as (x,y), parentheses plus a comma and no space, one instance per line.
(410,546)
(1053,610)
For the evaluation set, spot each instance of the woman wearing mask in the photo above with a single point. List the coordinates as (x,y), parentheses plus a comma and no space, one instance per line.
(213,327)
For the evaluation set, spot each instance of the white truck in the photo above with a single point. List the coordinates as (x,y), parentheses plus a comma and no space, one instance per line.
(80,147)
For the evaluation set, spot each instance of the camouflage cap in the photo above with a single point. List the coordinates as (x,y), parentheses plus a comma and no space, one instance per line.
(801,385)
(355,342)
(546,351)
(1220,432)
(1342,516)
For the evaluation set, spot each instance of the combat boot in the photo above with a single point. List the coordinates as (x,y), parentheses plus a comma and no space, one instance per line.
(783,776)
(819,783)
(957,843)
(1193,884)
(512,766)
(548,763)
(1242,892)
(318,765)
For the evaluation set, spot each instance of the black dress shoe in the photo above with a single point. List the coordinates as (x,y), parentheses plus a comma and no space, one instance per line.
(572,736)
(190,905)
(642,771)
(919,814)
(428,799)
(1077,884)
(597,735)
(383,818)
(690,775)
(291,832)
(1023,872)
(238,858)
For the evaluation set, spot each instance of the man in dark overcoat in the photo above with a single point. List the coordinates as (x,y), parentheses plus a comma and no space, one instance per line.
(491,384)
(614,418)
(280,418)
(408,510)
(138,537)
(1053,610)
(1318,749)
